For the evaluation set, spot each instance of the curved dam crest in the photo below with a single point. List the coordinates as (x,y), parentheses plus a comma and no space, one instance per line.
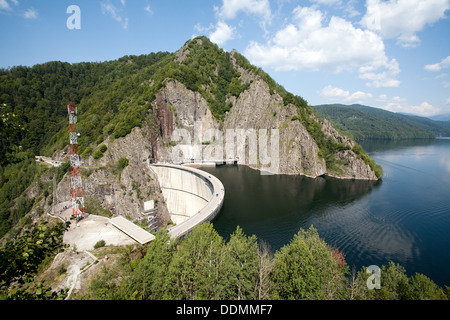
(192,196)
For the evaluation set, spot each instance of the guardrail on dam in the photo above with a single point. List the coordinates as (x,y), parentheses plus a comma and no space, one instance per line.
(192,196)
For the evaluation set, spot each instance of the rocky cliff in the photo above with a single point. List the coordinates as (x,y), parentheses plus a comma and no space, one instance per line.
(112,190)
(256,108)
(279,137)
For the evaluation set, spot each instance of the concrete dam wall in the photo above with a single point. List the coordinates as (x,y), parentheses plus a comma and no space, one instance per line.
(192,196)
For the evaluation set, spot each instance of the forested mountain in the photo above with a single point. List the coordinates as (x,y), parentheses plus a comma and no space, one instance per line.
(362,122)
(131,105)
(114,97)
(441,117)
(33,107)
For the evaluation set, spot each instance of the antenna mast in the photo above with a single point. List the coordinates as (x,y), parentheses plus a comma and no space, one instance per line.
(76,183)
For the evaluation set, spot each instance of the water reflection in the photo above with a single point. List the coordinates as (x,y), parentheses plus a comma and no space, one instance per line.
(274,208)
(405,218)
(385,145)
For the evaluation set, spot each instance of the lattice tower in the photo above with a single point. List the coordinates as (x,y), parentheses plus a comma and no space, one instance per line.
(76,183)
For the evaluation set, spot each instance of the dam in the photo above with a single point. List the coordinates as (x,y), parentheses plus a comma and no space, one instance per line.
(192,196)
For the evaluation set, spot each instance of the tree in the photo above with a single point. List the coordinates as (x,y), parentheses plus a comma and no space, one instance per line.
(423,288)
(19,260)
(264,285)
(148,279)
(241,266)
(396,285)
(11,130)
(196,268)
(306,269)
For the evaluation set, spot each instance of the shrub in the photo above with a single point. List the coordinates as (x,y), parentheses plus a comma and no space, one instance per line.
(99,244)
(100,151)
(122,163)
(98,154)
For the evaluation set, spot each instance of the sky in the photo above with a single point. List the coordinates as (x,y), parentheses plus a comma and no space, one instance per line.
(389,54)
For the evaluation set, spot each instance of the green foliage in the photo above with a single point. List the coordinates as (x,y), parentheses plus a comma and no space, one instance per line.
(148,280)
(37,292)
(204,266)
(11,130)
(122,163)
(241,263)
(100,151)
(33,110)
(377,169)
(20,260)
(306,269)
(328,147)
(396,285)
(14,179)
(94,206)
(362,123)
(99,244)
(209,71)
(62,170)
(195,271)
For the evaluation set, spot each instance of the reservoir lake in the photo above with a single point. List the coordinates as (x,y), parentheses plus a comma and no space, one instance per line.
(404,218)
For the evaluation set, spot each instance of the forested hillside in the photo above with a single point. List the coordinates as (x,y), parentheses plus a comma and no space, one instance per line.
(362,122)
(206,266)
(113,97)
(33,107)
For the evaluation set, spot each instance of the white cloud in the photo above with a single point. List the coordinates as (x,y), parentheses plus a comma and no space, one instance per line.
(30,14)
(307,44)
(327,2)
(445,63)
(398,104)
(230,8)
(340,95)
(222,34)
(4,5)
(111,10)
(382,79)
(148,9)
(402,19)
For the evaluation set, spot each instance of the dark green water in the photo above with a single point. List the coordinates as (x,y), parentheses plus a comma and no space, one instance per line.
(405,218)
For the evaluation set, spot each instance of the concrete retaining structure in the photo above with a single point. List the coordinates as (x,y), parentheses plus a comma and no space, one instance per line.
(192,196)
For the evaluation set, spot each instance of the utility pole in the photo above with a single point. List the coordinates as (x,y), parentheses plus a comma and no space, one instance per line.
(76,183)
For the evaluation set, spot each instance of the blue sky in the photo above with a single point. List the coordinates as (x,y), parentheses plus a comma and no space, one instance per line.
(391,54)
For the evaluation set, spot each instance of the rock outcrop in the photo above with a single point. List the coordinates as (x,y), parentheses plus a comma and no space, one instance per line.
(256,109)
(121,191)
(350,166)
(275,140)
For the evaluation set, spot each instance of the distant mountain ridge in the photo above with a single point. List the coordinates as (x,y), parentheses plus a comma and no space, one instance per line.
(363,122)
(441,117)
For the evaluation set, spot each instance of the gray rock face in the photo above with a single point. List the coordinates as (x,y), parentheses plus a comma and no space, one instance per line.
(254,110)
(275,141)
(120,191)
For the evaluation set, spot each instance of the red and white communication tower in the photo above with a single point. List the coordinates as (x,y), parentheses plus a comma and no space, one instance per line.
(76,183)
